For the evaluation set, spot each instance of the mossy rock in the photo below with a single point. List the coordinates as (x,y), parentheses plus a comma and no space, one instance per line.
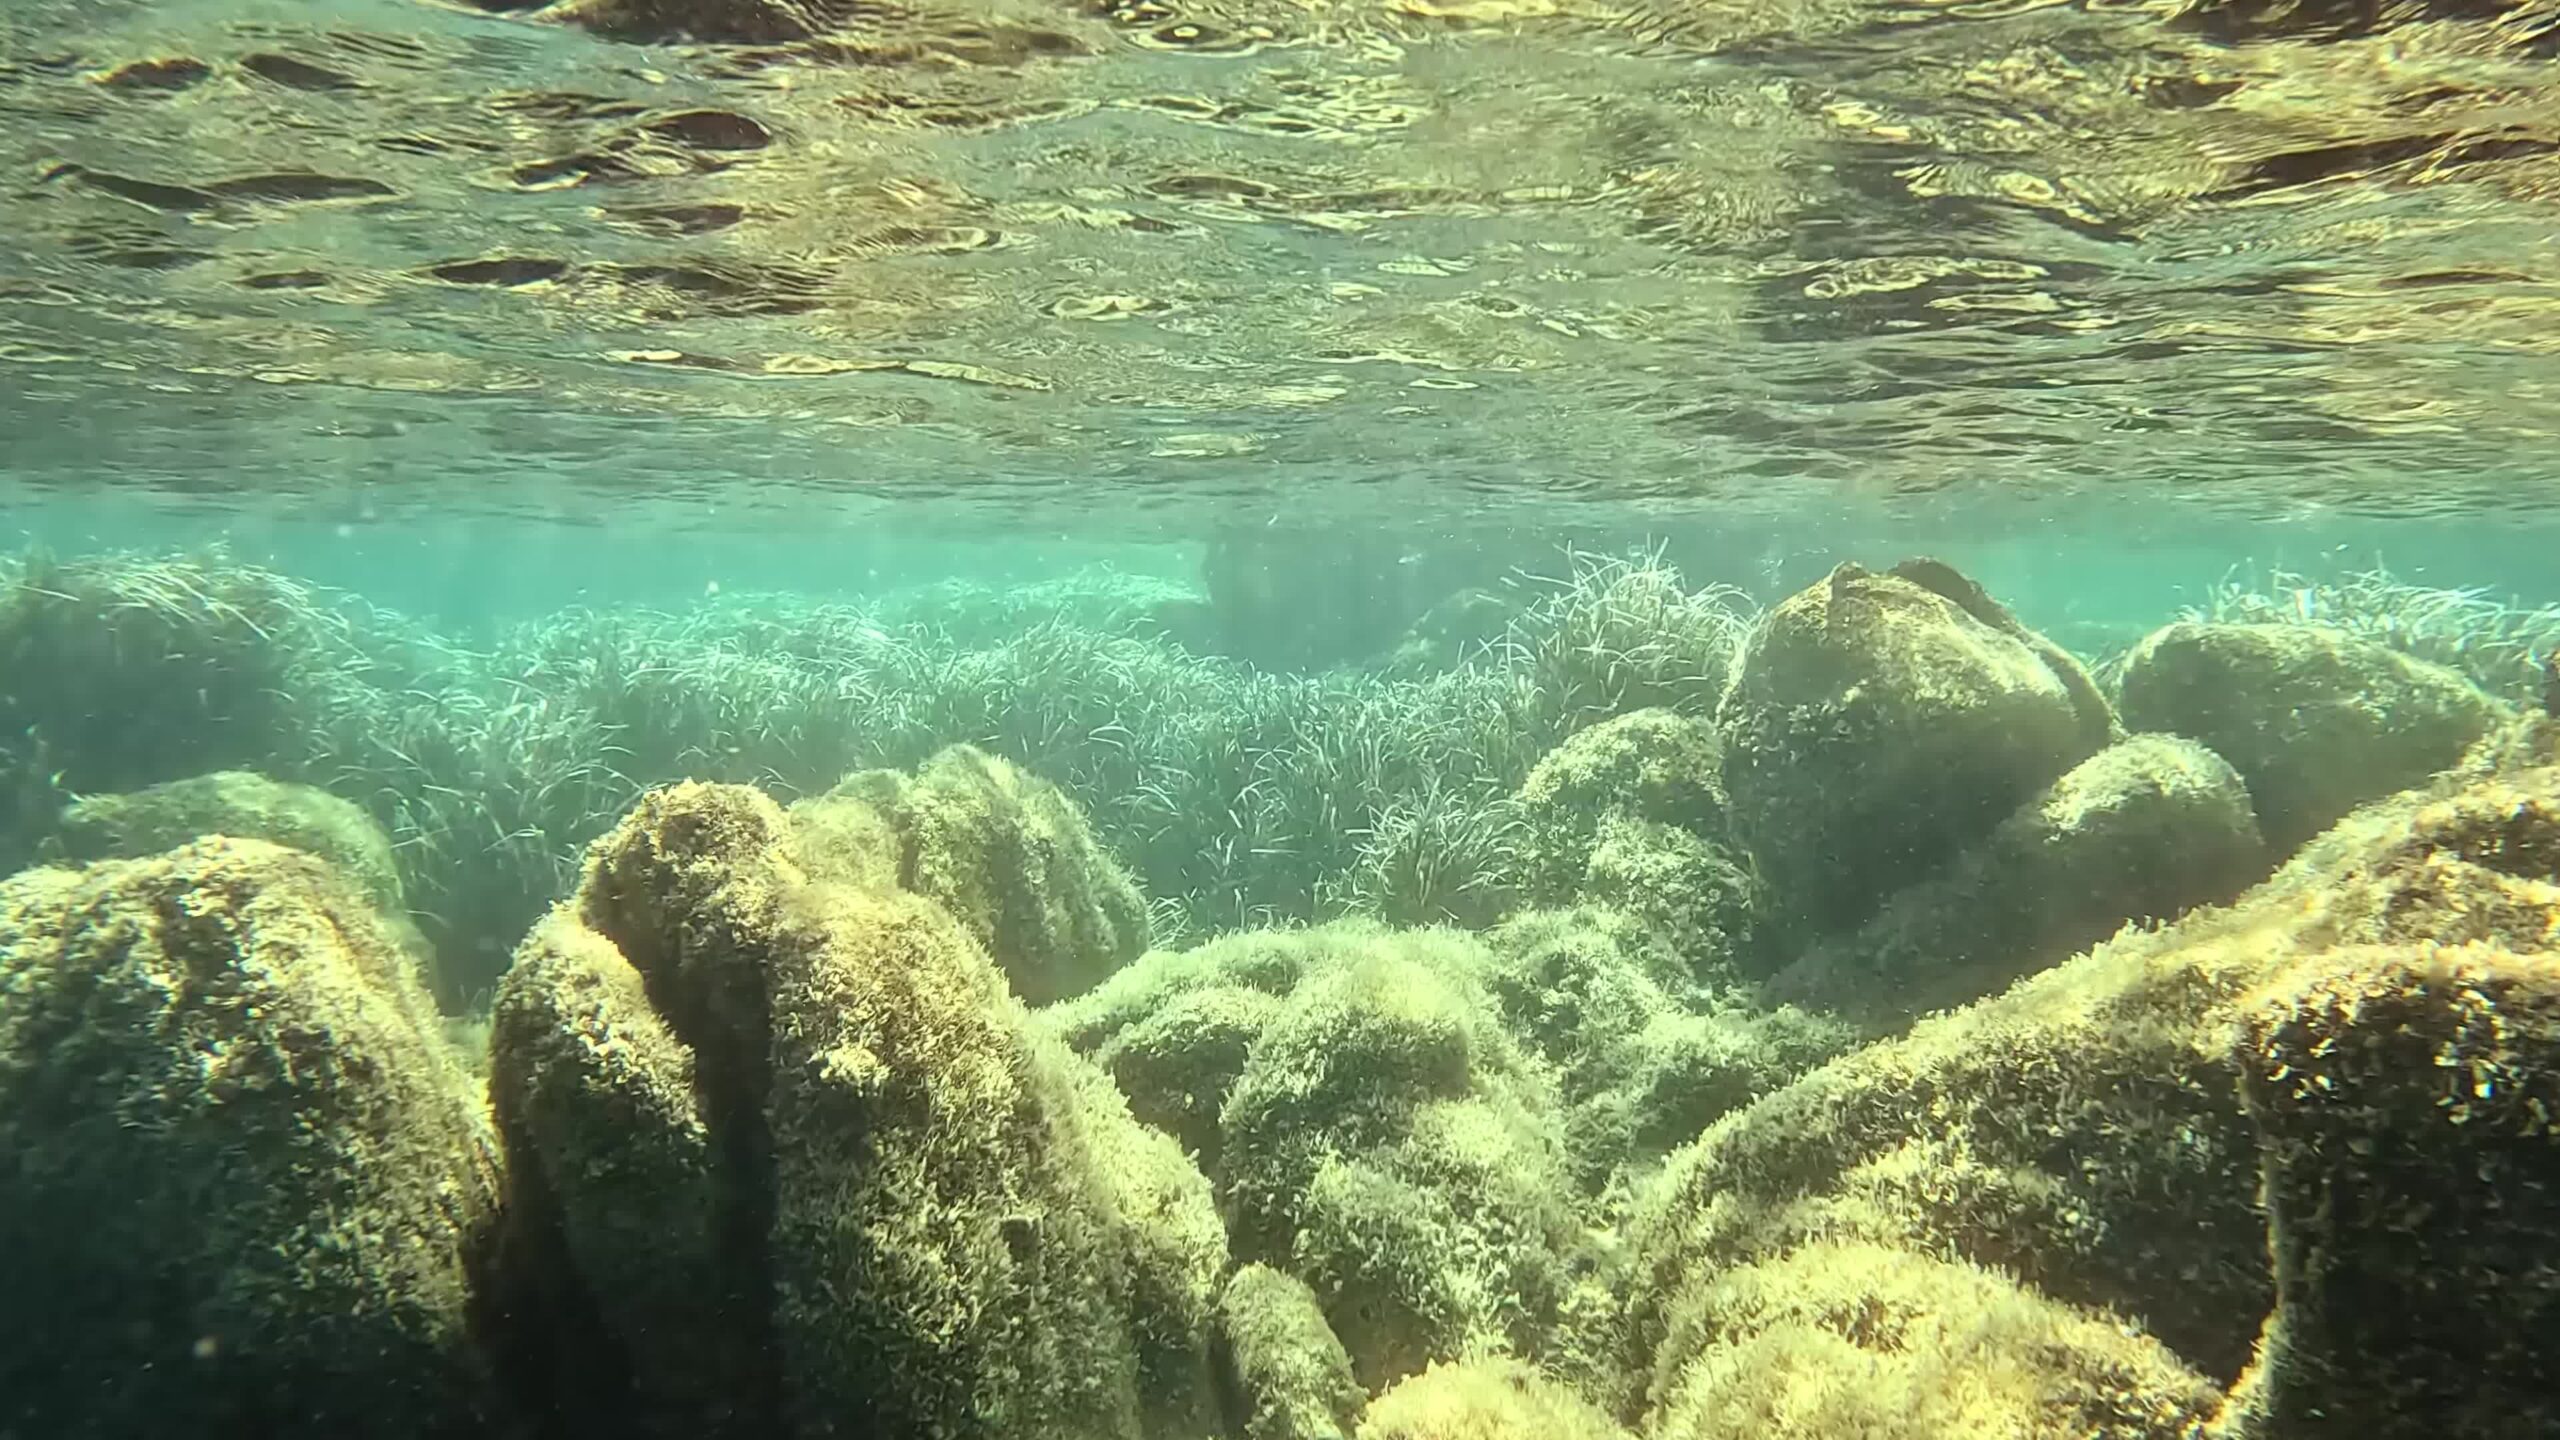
(1285,1373)
(1390,1143)
(797,1159)
(1700,896)
(1485,1399)
(2084,1132)
(1630,813)
(1385,1138)
(1874,729)
(1177,1063)
(238,803)
(250,1192)
(1654,764)
(1004,851)
(1644,1058)
(1174,1029)
(2316,720)
(2139,833)
(2406,1098)
(1851,1339)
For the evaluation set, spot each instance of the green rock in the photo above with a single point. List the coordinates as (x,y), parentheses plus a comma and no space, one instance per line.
(249,1190)
(810,1169)
(1875,728)
(2316,720)
(238,803)
(1287,1373)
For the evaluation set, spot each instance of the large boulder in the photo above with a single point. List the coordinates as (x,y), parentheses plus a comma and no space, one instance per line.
(1630,813)
(791,1160)
(2406,1100)
(2316,720)
(1007,853)
(2084,1136)
(237,803)
(2140,832)
(1372,1125)
(244,1187)
(1876,727)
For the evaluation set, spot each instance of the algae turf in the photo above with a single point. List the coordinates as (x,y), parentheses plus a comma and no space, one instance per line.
(2088,1136)
(808,1168)
(250,1192)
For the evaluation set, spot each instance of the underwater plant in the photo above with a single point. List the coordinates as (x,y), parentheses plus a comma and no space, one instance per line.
(2501,644)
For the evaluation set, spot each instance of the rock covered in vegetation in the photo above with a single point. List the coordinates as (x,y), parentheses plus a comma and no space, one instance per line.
(2316,720)
(2084,1134)
(2406,1100)
(2143,831)
(1655,763)
(1875,727)
(1485,1399)
(1389,1143)
(237,803)
(1842,1339)
(249,1190)
(1009,855)
(796,1161)
(1371,1126)
(1644,1057)
(1631,813)
(1286,1374)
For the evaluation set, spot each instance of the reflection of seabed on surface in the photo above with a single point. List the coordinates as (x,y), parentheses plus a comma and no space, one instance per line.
(1579,252)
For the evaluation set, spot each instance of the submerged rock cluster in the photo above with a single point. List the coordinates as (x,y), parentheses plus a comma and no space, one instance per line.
(1923,1040)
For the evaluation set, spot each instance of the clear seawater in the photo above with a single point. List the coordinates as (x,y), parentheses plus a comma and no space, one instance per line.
(490,412)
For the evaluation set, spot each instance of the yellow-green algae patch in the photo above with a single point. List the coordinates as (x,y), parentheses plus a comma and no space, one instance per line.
(248,1186)
(794,1161)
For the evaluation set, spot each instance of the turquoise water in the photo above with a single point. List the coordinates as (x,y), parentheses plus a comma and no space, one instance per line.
(1423,720)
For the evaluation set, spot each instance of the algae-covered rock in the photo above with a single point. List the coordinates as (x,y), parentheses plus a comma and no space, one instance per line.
(1487,1399)
(242,804)
(798,1160)
(1644,1058)
(1012,857)
(1378,1131)
(1862,1340)
(2084,1132)
(2143,831)
(2406,1099)
(247,1188)
(1175,1028)
(1630,813)
(2316,720)
(1875,728)
(1654,763)
(1698,894)
(1286,1374)
(1389,1143)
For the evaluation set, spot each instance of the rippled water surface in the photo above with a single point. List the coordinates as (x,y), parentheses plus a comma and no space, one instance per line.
(1163,253)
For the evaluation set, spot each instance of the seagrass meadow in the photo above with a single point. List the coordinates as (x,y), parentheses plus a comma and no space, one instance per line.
(1279,720)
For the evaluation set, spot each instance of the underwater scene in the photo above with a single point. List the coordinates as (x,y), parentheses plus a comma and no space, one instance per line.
(1280,720)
